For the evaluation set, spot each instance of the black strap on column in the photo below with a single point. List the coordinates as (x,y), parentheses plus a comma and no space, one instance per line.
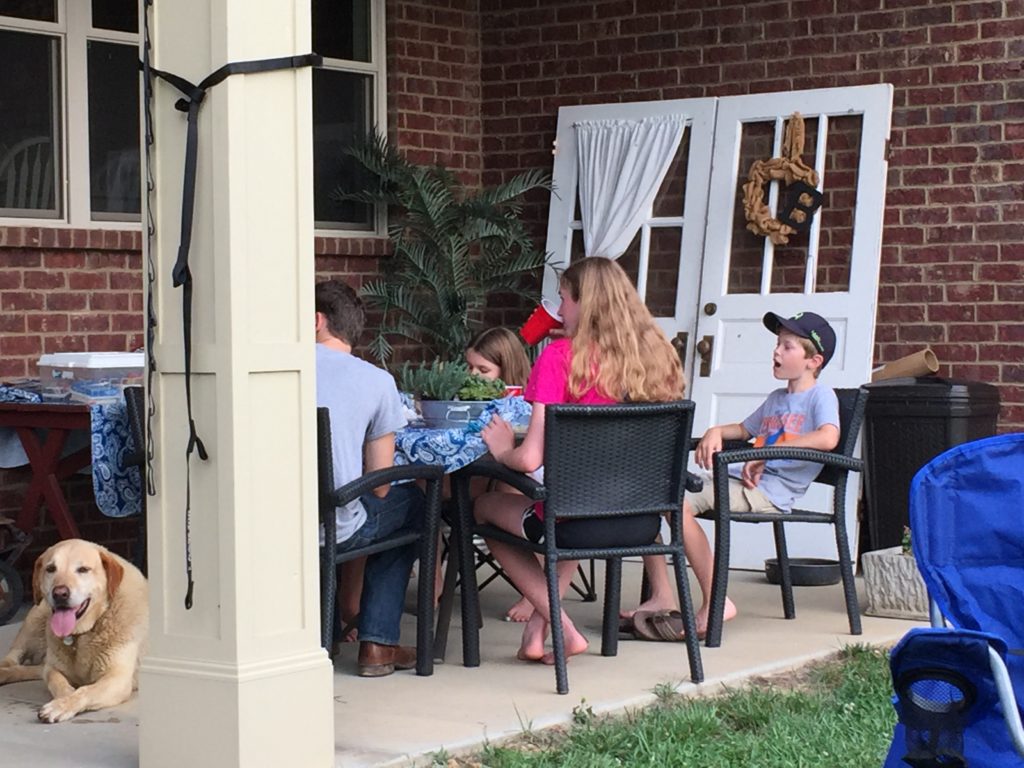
(181,274)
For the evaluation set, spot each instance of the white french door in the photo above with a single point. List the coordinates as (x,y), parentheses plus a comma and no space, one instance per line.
(726,277)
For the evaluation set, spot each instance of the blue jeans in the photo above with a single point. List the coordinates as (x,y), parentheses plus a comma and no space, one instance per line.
(387,573)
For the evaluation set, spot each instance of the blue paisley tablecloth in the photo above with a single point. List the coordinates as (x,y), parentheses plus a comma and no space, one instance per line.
(118,490)
(457,447)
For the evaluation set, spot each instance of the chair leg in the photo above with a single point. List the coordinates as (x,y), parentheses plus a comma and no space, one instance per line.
(689,621)
(585,589)
(328,598)
(785,577)
(849,584)
(447,602)
(612,601)
(719,584)
(425,603)
(467,574)
(557,630)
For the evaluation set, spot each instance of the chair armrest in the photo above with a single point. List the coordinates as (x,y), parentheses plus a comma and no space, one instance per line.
(362,485)
(497,471)
(724,458)
(727,445)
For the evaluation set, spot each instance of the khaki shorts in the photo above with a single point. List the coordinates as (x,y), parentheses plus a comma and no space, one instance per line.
(740,499)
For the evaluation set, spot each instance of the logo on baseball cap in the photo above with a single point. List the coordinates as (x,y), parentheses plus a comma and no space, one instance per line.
(806,325)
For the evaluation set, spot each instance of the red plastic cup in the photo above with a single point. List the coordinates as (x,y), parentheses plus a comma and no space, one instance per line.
(513,391)
(538,325)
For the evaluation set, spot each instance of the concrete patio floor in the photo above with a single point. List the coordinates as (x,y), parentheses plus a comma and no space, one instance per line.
(403,719)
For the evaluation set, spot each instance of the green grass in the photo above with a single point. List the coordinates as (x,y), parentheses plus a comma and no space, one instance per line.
(833,713)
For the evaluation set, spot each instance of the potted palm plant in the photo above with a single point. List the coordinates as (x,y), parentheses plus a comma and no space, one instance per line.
(453,246)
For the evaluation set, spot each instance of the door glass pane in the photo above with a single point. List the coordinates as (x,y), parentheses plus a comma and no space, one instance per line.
(114,130)
(746,254)
(630,260)
(842,158)
(341,29)
(671,197)
(38,10)
(120,15)
(789,260)
(342,105)
(29,138)
(663,270)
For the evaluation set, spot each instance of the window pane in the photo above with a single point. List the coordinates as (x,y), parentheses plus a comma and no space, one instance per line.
(29,139)
(121,15)
(342,105)
(341,29)
(114,129)
(40,10)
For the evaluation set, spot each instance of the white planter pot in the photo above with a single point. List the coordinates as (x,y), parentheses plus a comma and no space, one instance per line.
(894,585)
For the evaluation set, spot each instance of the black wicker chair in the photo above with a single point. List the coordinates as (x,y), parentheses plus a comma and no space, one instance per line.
(135,407)
(424,537)
(606,461)
(837,465)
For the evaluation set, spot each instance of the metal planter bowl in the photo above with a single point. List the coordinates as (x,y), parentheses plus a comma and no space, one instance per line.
(446,414)
(805,571)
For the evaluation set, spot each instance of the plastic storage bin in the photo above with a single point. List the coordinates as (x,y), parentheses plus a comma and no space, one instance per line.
(908,422)
(89,376)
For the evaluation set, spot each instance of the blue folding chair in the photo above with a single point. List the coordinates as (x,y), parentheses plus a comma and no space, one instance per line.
(957,686)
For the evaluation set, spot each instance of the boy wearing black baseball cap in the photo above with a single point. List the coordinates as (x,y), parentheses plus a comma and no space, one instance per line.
(800,414)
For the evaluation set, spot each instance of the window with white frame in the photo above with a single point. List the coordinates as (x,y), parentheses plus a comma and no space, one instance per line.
(69,101)
(348,101)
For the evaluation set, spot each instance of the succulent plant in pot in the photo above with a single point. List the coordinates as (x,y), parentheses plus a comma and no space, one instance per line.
(447,394)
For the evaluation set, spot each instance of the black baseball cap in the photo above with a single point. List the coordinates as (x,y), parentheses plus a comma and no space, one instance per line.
(806,325)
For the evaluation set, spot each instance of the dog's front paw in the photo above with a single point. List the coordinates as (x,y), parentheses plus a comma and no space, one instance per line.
(58,710)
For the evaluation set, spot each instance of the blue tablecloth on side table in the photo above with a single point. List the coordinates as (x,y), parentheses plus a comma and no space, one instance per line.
(118,490)
(456,447)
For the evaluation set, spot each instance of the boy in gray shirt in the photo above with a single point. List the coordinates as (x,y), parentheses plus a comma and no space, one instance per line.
(365,414)
(799,415)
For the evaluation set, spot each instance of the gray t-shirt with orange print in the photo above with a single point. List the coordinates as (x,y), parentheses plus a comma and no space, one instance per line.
(781,417)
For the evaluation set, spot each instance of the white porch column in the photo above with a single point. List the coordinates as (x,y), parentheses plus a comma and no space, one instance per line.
(240,679)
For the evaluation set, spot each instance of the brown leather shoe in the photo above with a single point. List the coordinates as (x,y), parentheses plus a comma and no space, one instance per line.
(377,660)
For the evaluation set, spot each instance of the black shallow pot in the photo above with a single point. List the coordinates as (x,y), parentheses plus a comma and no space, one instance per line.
(805,571)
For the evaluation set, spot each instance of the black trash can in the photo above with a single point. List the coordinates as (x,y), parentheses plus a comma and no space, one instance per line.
(908,422)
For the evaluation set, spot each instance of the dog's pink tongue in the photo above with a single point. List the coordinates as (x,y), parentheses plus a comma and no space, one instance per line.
(62,622)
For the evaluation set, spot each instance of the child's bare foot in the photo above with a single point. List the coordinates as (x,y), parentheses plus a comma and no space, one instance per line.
(520,612)
(702,616)
(534,634)
(575,644)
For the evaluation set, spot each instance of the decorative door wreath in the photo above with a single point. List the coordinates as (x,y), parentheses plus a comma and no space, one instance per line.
(802,198)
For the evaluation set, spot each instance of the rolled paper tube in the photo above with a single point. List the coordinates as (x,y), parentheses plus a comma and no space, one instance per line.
(920,363)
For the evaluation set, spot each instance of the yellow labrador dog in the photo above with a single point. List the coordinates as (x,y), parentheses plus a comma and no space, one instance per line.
(86,631)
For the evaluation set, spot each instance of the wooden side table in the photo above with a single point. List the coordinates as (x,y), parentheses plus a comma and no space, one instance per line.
(48,468)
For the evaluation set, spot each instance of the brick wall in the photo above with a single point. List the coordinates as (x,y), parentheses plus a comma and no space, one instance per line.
(477,86)
(953,257)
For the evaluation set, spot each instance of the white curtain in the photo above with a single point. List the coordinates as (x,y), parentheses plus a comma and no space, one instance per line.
(621,164)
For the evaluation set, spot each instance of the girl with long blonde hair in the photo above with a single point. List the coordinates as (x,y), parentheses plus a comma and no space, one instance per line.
(612,352)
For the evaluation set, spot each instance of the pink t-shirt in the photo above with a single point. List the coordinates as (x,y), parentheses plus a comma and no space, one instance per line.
(549,385)
(549,378)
